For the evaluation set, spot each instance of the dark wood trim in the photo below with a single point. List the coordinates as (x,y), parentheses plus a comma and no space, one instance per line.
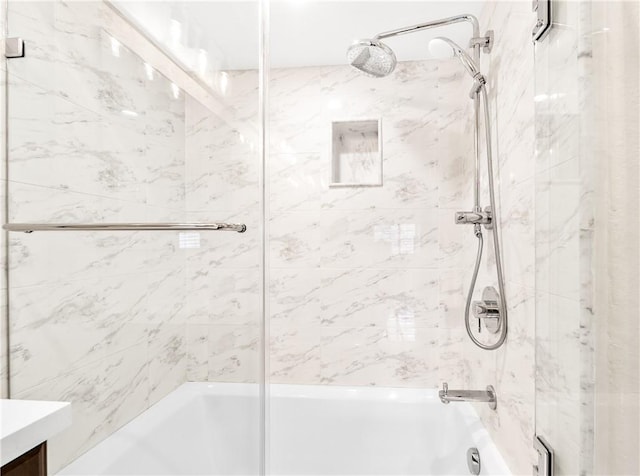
(32,463)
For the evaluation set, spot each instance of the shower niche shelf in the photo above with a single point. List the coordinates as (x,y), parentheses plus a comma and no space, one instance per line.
(356,153)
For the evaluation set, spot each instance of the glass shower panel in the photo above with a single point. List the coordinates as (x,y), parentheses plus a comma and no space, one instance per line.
(110,123)
(365,273)
(588,380)
(563,329)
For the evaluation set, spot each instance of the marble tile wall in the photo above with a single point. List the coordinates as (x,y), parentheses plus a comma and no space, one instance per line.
(96,136)
(511,369)
(388,247)
(358,277)
(223,276)
(614,122)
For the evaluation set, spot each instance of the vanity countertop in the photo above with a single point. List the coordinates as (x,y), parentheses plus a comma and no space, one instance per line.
(24,424)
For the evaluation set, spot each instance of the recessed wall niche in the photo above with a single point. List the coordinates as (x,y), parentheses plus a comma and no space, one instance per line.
(356,153)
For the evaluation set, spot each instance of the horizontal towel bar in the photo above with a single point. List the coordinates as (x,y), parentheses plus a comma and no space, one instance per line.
(31,227)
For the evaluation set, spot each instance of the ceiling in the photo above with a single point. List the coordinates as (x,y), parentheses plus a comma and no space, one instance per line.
(212,36)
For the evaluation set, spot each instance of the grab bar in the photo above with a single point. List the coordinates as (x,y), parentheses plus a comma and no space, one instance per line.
(31,227)
(488,395)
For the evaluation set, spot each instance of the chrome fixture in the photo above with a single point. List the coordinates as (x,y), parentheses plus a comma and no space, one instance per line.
(473,218)
(473,460)
(31,227)
(373,57)
(485,42)
(377,59)
(13,48)
(488,395)
(544,20)
(488,310)
(545,466)
(469,64)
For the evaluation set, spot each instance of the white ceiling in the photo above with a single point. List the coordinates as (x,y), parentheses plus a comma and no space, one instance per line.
(210,36)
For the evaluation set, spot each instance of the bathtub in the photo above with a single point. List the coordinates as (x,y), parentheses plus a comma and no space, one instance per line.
(204,428)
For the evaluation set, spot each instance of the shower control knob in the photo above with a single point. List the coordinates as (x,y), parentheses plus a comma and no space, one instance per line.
(488,310)
(473,218)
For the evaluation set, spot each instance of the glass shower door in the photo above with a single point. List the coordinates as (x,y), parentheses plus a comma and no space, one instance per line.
(588,379)
(108,123)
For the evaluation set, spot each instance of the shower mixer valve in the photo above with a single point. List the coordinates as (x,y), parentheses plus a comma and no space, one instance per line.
(488,310)
(475,218)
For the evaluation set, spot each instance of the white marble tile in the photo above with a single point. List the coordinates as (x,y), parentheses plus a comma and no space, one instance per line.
(387,298)
(234,353)
(517,238)
(42,258)
(295,354)
(40,204)
(368,238)
(45,354)
(167,359)
(294,240)
(510,72)
(220,181)
(229,297)
(52,136)
(298,181)
(104,396)
(227,131)
(398,300)
(379,356)
(72,56)
(197,352)
(68,325)
(319,95)
(452,294)
(558,198)
(457,244)
(295,297)
(454,366)
(56,136)
(227,250)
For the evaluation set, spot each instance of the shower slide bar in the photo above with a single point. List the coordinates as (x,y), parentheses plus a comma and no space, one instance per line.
(31,227)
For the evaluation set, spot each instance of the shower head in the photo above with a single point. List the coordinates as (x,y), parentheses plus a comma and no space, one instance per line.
(444,47)
(372,57)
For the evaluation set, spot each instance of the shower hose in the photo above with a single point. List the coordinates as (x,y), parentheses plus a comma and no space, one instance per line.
(496,242)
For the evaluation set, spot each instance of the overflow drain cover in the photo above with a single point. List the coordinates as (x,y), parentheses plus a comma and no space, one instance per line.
(473,460)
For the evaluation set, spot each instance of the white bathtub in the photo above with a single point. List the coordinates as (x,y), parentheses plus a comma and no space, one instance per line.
(205,428)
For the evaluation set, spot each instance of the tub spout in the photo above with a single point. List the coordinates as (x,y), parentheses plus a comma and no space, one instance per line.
(488,395)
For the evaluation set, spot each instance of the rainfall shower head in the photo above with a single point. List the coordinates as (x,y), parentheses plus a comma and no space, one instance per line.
(372,57)
(444,47)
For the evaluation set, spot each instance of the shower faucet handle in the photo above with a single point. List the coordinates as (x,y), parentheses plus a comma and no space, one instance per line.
(488,309)
(473,218)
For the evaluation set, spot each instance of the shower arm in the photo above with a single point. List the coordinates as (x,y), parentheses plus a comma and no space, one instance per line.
(432,24)
(475,43)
